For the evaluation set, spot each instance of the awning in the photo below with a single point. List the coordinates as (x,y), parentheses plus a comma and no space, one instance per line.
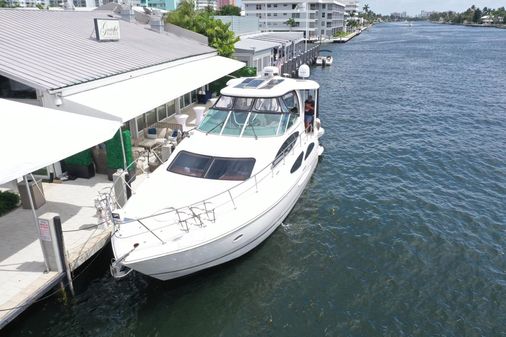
(130,98)
(33,137)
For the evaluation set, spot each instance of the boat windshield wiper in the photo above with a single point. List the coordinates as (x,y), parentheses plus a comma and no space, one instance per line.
(253,129)
(214,127)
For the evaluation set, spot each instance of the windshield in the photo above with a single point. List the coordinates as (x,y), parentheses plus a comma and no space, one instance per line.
(207,167)
(251,117)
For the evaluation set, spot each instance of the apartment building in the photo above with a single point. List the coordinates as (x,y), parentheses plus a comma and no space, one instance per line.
(204,4)
(319,19)
(351,6)
(221,3)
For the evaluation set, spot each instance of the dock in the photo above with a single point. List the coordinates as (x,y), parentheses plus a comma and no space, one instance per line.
(22,267)
(350,36)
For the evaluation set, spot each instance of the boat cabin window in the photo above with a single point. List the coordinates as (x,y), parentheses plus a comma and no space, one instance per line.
(243,103)
(252,117)
(268,105)
(208,167)
(224,102)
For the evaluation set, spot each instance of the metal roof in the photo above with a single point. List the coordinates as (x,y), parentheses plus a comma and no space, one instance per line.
(255,45)
(281,37)
(55,49)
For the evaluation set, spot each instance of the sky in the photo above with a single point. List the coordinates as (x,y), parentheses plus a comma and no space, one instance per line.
(413,7)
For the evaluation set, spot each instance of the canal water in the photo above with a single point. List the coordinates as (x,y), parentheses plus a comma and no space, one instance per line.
(401,232)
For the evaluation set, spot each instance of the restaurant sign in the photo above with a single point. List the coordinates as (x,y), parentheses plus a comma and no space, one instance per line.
(107,29)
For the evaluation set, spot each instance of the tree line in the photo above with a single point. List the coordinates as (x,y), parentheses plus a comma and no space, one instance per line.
(219,34)
(472,15)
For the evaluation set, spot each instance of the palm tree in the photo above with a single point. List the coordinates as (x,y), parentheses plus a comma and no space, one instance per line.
(366,8)
(291,23)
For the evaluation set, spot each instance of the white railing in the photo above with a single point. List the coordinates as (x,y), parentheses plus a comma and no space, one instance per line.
(204,211)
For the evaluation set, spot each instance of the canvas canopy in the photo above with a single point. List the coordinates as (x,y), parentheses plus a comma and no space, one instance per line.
(128,99)
(34,137)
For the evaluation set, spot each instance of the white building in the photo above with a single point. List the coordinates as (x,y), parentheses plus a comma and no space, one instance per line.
(142,77)
(351,6)
(204,4)
(316,19)
(68,4)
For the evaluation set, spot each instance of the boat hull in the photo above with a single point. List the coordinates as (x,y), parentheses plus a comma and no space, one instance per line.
(230,246)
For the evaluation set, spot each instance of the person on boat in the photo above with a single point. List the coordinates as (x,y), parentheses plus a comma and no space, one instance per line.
(308,112)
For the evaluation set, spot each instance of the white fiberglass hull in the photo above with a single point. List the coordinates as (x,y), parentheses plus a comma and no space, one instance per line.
(230,246)
(328,61)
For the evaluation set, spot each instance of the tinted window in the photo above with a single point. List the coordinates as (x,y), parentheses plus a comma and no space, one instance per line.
(291,103)
(195,165)
(285,148)
(190,164)
(297,163)
(309,150)
(230,169)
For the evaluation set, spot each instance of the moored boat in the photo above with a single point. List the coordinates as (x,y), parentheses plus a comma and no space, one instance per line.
(324,60)
(228,185)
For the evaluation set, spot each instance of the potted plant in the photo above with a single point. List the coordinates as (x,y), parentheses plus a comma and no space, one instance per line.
(80,165)
(115,154)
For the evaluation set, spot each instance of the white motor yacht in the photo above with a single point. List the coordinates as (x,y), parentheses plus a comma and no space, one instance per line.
(324,60)
(227,186)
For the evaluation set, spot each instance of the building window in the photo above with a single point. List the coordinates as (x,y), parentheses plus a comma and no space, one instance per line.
(323,15)
(12,89)
(151,117)
(141,123)
(323,6)
(161,112)
(269,6)
(268,14)
(259,7)
(275,5)
(275,14)
(171,108)
(194,96)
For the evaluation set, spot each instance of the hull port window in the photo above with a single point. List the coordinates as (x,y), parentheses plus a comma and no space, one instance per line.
(207,167)
(309,150)
(297,163)
(285,148)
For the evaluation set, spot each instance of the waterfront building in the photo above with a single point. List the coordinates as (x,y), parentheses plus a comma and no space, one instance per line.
(139,78)
(222,3)
(399,15)
(351,6)
(426,14)
(285,50)
(136,76)
(205,4)
(240,25)
(316,20)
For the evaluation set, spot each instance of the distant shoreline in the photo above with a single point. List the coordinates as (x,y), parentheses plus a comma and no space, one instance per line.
(500,26)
